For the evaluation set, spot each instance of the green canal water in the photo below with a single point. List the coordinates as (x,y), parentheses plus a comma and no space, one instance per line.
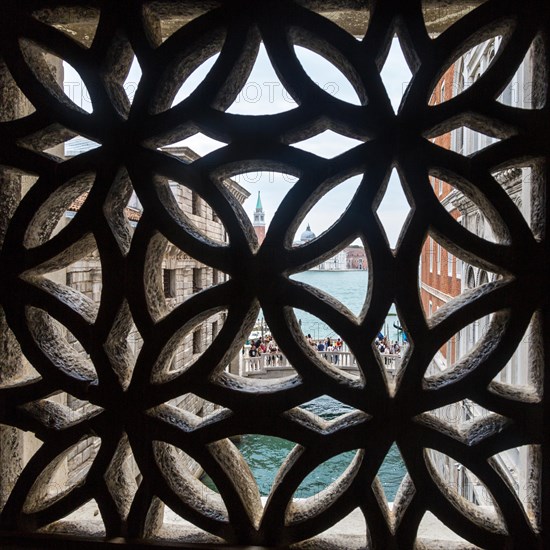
(265,454)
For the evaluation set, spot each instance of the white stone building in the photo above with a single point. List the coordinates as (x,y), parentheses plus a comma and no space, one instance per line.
(513,463)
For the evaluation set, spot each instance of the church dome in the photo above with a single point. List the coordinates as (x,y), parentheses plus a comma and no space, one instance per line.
(307,235)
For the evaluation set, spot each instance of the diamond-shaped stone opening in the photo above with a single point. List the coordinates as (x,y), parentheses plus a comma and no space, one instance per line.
(465,140)
(461,415)
(526,89)
(462,487)
(132,79)
(394,209)
(199,143)
(327,76)
(78,145)
(64,474)
(391,473)
(327,408)
(520,469)
(263,93)
(323,215)
(175,276)
(123,345)
(327,144)
(71,410)
(81,28)
(439,17)
(395,74)
(391,343)
(186,348)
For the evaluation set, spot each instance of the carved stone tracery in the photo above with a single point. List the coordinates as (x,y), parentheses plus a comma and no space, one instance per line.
(130,412)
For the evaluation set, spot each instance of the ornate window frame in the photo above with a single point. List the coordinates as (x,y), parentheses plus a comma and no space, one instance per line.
(130,397)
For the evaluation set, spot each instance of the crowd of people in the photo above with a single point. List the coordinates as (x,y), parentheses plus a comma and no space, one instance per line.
(265,345)
(330,348)
(386,346)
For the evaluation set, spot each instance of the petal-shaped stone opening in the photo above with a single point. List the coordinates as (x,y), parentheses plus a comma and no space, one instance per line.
(519,467)
(263,93)
(341,471)
(327,144)
(465,70)
(327,76)
(186,348)
(74,87)
(521,377)
(323,215)
(464,491)
(395,74)
(181,473)
(263,455)
(194,79)
(267,190)
(58,208)
(63,474)
(349,287)
(60,347)
(324,475)
(526,89)
(394,209)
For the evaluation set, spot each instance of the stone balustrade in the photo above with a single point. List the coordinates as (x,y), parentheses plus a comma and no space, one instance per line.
(276,365)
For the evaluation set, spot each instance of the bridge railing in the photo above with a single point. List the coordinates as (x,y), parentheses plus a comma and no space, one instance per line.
(262,364)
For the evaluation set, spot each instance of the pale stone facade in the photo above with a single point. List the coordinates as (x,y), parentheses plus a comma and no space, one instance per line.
(452,280)
(182,276)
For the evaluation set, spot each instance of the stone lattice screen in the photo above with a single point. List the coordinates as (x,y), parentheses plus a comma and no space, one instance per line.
(129,395)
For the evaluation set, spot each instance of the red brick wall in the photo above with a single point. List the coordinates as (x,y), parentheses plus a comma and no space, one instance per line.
(440,279)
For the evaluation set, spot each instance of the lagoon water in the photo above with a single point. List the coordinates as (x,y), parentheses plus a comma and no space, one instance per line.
(265,454)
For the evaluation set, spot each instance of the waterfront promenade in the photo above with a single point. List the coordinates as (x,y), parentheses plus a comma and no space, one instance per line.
(276,365)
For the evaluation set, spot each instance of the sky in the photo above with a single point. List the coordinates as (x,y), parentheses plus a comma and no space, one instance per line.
(263,94)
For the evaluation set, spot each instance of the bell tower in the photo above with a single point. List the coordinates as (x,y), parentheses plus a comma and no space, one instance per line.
(259,220)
